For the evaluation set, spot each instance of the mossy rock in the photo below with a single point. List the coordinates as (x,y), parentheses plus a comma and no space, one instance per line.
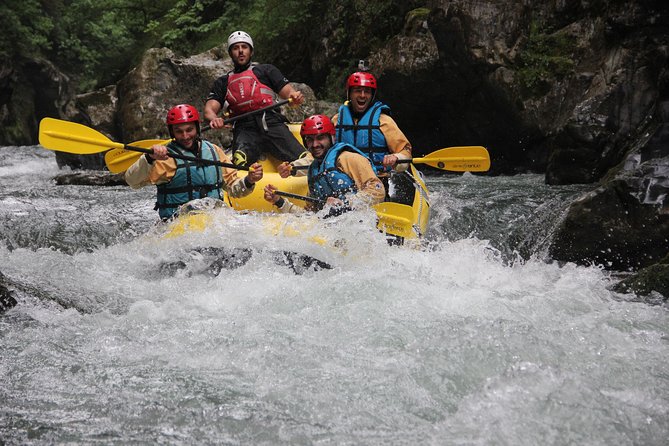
(653,278)
(413,22)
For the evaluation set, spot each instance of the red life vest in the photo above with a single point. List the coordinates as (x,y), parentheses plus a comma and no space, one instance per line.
(246,93)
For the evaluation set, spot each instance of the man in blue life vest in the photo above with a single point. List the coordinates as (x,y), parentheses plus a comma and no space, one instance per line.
(365,123)
(180,181)
(249,87)
(339,176)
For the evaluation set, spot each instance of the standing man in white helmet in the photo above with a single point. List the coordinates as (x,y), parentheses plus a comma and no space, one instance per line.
(249,87)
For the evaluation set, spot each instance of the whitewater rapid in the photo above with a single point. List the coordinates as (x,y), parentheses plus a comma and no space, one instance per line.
(467,340)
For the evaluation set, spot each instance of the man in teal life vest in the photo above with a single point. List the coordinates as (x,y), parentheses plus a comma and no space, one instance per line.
(247,88)
(365,123)
(340,175)
(180,181)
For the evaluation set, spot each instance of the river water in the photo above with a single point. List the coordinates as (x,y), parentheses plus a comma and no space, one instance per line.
(122,335)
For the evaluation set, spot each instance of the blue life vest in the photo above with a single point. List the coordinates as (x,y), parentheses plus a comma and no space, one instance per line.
(191,180)
(366,135)
(326,180)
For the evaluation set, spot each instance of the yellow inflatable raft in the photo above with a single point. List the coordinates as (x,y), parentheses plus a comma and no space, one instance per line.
(406,216)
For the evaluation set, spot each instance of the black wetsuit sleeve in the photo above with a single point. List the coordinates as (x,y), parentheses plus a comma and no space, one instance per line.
(270,76)
(219,90)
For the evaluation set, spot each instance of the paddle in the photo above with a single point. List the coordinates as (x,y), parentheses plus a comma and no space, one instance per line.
(456,159)
(258,111)
(65,136)
(299,197)
(119,160)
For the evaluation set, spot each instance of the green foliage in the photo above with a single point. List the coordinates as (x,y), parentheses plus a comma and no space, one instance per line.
(96,42)
(91,41)
(27,31)
(98,39)
(544,58)
(197,25)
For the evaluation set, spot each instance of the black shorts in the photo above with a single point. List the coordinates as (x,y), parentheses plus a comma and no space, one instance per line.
(249,143)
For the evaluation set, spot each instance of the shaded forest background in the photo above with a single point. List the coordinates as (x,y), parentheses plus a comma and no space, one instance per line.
(95,43)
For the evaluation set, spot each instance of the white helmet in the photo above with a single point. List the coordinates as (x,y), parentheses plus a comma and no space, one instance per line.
(239,36)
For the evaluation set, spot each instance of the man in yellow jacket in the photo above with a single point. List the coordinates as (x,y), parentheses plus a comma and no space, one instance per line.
(340,174)
(365,123)
(179,181)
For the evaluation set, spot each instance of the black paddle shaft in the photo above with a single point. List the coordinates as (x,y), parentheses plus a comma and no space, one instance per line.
(207,127)
(299,197)
(252,113)
(188,158)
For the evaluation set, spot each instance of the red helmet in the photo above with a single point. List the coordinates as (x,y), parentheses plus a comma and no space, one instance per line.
(316,125)
(180,114)
(361,79)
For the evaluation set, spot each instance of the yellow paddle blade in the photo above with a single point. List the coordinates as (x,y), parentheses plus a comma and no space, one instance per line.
(395,218)
(65,136)
(458,159)
(118,160)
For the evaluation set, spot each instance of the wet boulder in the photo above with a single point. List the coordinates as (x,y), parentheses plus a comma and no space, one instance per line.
(611,227)
(7,299)
(30,90)
(160,81)
(90,178)
(648,282)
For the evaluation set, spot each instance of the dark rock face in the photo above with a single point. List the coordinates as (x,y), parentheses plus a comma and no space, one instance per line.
(561,87)
(603,129)
(578,90)
(30,91)
(624,223)
(611,227)
(442,82)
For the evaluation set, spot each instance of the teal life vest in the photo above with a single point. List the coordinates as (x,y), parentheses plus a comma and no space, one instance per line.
(366,135)
(326,180)
(191,180)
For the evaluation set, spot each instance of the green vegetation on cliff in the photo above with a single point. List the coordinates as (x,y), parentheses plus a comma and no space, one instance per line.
(544,58)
